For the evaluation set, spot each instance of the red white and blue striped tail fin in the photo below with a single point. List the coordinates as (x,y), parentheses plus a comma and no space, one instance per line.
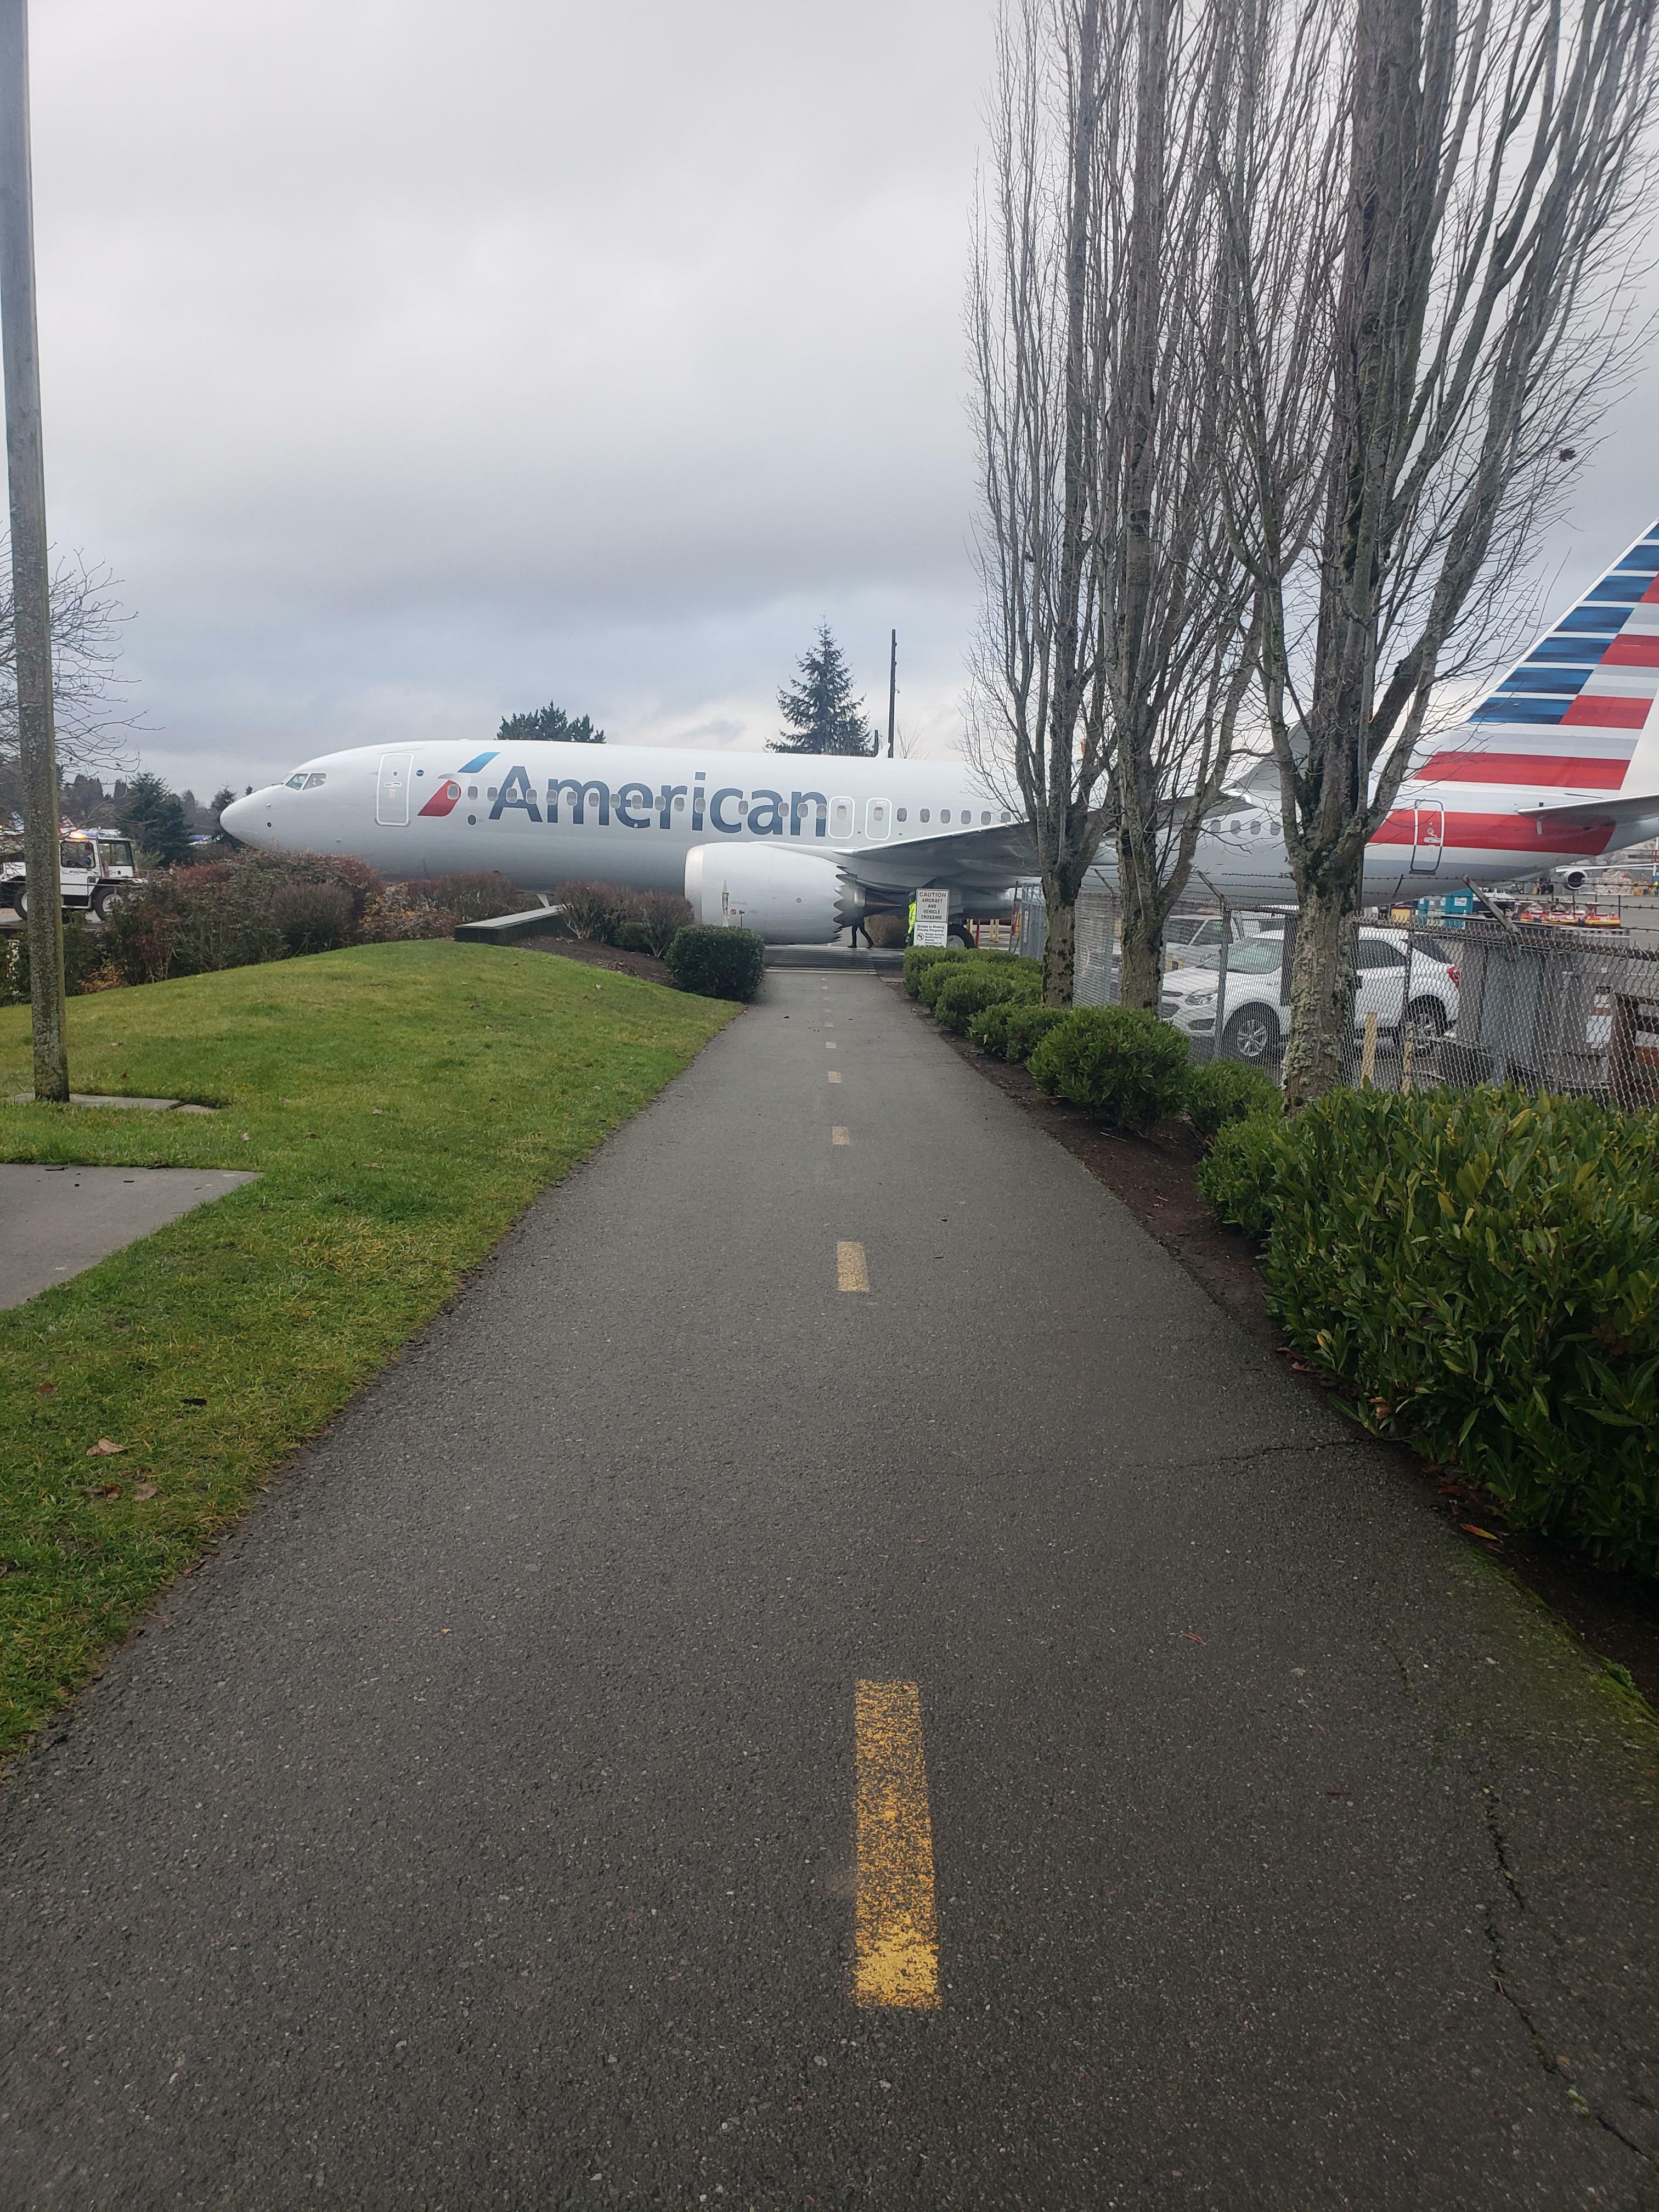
(1570,715)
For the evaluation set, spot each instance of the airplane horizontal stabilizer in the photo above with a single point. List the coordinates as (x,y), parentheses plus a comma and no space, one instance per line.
(1621,813)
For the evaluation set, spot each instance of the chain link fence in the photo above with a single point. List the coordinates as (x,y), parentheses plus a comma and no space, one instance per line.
(1453,999)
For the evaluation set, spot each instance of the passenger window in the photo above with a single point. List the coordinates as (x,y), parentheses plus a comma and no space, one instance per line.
(1007,818)
(490,793)
(944,814)
(923,816)
(902,812)
(472,791)
(986,817)
(1234,827)
(679,806)
(1255,829)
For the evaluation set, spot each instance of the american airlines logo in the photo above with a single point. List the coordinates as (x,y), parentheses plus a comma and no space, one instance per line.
(579,799)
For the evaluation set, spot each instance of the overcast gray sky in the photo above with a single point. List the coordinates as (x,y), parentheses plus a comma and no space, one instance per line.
(411,363)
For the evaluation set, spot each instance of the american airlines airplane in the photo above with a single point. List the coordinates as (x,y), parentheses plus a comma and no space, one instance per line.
(1556,764)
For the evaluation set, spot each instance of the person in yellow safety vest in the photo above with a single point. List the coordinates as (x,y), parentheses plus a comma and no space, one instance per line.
(910,925)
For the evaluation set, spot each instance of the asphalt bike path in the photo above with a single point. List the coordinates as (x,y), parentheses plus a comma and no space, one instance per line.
(834,1676)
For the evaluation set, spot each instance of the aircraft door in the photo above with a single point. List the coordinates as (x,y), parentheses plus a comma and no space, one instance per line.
(1430,838)
(878,819)
(841,819)
(391,793)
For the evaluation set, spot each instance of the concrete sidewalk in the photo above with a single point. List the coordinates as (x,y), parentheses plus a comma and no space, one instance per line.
(476,1830)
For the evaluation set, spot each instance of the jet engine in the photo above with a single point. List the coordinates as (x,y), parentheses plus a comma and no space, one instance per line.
(787,898)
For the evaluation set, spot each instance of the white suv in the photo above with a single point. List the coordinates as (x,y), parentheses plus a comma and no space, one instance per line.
(1422,1003)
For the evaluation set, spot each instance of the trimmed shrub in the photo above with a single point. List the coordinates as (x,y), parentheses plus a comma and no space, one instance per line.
(1222,1092)
(1483,1268)
(1026,1024)
(661,915)
(1239,1175)
(988,1029)
(591,912)
(920,957)
(632,936)
(717,963)
(1127,1064)
(963,990)
(933,980)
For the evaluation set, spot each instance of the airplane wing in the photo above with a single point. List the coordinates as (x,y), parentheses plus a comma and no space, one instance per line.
(1638,815)
(958,860)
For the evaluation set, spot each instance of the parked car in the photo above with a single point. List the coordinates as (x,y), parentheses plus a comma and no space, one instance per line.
(1422,1005)
(1185,935)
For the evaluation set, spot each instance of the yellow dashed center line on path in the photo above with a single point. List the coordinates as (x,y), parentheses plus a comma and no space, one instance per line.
(834,1075)
(840,1136)
(895,1927)
(852,1269)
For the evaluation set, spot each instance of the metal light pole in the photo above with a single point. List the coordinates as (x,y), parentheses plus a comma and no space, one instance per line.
(892,692)
(31,581)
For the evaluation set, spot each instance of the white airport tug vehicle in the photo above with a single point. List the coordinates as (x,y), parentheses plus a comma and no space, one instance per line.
(95,867)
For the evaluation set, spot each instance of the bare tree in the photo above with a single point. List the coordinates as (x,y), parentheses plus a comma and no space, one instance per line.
(86,621)
(1035,322)
(1177,646)
(1431,214)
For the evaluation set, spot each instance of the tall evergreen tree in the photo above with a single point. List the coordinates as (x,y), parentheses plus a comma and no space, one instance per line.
(154,818)
(221,835)
(822,715)
(548,724)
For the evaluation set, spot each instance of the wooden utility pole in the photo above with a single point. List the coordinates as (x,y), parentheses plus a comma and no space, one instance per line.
(893,692)
(31,580)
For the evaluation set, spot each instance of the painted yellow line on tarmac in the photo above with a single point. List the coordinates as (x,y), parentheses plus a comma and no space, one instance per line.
(852,1269)
(840,1136)
(834,1075)
(896,1928)
(829,1048)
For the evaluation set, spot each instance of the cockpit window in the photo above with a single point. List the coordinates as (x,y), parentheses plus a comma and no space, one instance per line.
(297,782)
(314,778)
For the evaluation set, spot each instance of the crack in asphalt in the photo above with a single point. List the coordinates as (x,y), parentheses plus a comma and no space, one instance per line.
(1576,2096)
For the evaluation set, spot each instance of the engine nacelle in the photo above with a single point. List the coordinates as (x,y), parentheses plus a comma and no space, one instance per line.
(787,898)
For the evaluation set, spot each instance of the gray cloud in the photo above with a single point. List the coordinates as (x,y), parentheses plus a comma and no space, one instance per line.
(411,363)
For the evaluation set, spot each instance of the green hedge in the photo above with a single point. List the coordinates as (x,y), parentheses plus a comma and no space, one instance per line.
(920,957)
(1127,1064)
(988,1029)
(1026,1025)
(716,963)
(1222,1092)
(1239,1175)
(1482,1268)
(964,990)
(85,957)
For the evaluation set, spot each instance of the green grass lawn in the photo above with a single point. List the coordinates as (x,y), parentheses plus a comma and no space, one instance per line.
(403,1105)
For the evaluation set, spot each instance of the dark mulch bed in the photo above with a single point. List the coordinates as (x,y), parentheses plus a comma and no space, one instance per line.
(1155,1176)
(646,965)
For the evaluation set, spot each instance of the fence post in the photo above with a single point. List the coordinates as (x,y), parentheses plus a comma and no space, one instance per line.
(1221,979)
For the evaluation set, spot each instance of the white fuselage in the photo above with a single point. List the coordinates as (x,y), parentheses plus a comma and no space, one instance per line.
(542,814)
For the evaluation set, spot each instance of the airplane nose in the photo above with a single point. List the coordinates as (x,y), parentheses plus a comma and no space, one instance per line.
(241,817)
